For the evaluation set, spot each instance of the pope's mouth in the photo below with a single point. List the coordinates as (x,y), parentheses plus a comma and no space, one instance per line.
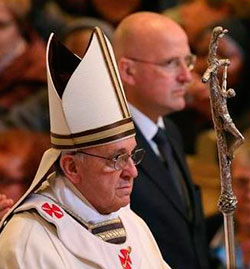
(179,92)
(125,189)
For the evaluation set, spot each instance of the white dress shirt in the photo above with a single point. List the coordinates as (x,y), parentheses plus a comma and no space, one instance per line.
(147,126)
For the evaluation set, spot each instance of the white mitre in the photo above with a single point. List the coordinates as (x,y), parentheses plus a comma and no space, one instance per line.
(86,101)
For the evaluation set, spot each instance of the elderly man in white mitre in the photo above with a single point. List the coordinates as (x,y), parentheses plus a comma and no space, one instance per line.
(79,216)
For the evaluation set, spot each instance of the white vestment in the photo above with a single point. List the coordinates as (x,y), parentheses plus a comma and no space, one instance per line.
(42,235)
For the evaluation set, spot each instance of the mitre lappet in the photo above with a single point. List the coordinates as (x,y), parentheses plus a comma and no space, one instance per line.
(87,103)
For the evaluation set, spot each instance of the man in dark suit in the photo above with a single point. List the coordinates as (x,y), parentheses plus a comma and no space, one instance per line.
(155,61)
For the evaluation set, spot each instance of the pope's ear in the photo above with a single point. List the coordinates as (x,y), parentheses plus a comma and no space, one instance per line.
(127,70)
(68,164)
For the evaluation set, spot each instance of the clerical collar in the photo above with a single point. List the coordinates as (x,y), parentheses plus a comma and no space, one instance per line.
(62,190)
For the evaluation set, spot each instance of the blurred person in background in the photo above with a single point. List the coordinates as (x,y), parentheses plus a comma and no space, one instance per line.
(114,11)
(51,15)
(20,155)
(22,55)
(55,14)
(195,15)
(44,21)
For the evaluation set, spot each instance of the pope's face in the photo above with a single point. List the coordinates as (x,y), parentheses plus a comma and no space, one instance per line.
(105,188)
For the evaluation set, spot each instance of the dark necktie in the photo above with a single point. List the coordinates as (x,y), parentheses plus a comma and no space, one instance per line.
(170,161)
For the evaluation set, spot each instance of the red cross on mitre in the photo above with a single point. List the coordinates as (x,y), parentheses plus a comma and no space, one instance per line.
(125,258)
(52,210)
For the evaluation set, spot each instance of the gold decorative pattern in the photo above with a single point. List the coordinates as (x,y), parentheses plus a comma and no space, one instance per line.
(104,223)
(69,141)
(114,76)
(112,234)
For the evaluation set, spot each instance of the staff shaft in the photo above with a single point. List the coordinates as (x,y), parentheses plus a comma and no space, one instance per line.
(229,240)
(224,127)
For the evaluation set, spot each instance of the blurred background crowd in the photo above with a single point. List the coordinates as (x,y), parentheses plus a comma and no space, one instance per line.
(25,26)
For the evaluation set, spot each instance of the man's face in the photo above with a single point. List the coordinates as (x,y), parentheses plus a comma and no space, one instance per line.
(160,87)
(241,181)
(105,188)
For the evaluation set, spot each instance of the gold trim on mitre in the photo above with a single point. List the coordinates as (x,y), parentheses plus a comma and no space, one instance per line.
(99,136)
(113,72)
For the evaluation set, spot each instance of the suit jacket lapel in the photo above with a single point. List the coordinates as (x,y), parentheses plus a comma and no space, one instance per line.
(159,174)
(181,159)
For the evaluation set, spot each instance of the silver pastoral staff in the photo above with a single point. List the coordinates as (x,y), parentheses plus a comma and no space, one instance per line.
(228,138)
